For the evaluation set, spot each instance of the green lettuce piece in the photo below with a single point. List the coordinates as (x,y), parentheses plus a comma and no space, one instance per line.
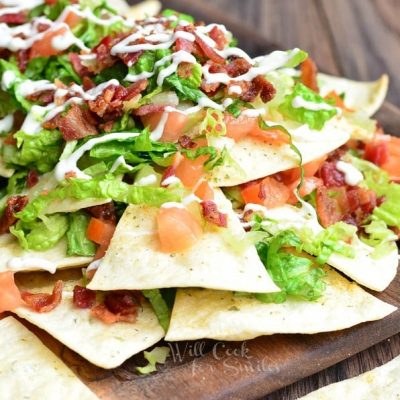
(8,104)
(215,158)
(51,68)
(314,119)
(17,183)
(77,242)
(236,107)
(295,275)
(52,11)
(117,71)
(107,187)
(40,152)
(159,305)
(184,88)
(380,237)
(378,180)
(42,234)
(297,57)
(156,356)
(181,16)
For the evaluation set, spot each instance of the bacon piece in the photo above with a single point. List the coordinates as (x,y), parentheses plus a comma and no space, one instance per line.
(259,86)
(219,37)
(212,215)
(77,123)
(32,179)
(16,18)
(43,97)
(103,54)
(77,65)
(309,73)
(102,313)
(14,204)
(330,175)
(134,89)
(44,302)
(148,109)
(22,59)
(208,51)
(101,104)
(184,44)
(83,298)
(122,302)
(103,212)
(186,142)
(130,59)
(87,83)
(237,67)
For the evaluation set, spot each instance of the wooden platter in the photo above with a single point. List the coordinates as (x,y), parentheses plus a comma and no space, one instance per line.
(237,370)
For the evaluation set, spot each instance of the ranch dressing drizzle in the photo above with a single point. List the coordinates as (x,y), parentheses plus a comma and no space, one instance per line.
(147,180)
(352,175)
(28,87)
(118,162)
(69,164)
(158,132)
(299,102)
(16,6)
(6,123)
(21,263)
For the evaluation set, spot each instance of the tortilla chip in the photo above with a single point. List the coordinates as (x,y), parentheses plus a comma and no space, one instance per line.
(380,383)
(148,8)
(133,260)
(254,159)
(106,346)
(220,315)
(28,369)
(366,97)
(13,257)
(375,274)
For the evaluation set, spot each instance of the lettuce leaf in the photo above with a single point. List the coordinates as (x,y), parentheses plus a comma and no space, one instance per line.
(181,16)
(295,275)
(8,104)
(184,88)
(156,356)
(42,234)
(314,119)
(77,242)
(380,237)
(159,305)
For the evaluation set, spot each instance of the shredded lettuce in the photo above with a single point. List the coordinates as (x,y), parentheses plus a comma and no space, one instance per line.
(159,305)
(184,88)
(236,107)
(77,242)
(314,119)
(181,16)
(156,356)
(294,274)
(41,234)
(380,237)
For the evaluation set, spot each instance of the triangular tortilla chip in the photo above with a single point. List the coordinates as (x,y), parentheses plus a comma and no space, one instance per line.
(14,258)
(106,346)
(380,383)
(221,315)
(366,97)
(29,370)
(252,159)
(373,273)
(134,261)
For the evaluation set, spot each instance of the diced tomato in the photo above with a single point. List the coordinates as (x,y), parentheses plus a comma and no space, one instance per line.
(44,47)
(99,231)
(178,229)
(308,186)
(190,171)
(10,296)
(204,191)
(377,152)
(72,19)
(174,127)
(268,192)
(238,128)
(310,169)
(327,207)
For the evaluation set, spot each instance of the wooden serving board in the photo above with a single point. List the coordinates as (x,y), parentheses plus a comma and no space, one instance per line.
(237,370)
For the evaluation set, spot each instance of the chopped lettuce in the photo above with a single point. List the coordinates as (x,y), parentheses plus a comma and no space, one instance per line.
(41,234)
(159,305)
(180,16)
(294,274)
(314,119)
(156,356)
(236,107)
(380,237)
(8,104)
(77,242)
(184,88)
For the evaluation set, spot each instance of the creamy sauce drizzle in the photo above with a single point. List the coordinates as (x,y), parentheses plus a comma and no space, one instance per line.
(352,175)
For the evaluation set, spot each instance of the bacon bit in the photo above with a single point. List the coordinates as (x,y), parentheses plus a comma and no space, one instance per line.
(77,123)
(10,139)
(87,83)
(135,89)
(43,97)
(148,109)
(83,298)
(331,176)
(103,54)
(17,18)
(208,51)
(103,212)
(186,142)
(219,37)
(104,315)
(209,88)
(77,65)
(237,67)
(259,86)
(14,204)
(309,73)
(212,215)
(122,302)
(130,59)
(44,302)
(32,179)
(101,104)
(22,59)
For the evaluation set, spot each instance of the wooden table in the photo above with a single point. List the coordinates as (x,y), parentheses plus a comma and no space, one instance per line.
(358,39)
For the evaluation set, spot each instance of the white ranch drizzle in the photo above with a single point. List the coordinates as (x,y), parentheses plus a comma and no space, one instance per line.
(172,204)
(235,89)
(28,87)
(159,130)
(147,180)
(15,6)
(21,263)
(118,162)
(69,164)
(352,175)
(8,79)
(299,102)
(6,123)
(171,180)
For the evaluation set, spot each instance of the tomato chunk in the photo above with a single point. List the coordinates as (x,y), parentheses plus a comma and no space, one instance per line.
(99,231)
(10,296)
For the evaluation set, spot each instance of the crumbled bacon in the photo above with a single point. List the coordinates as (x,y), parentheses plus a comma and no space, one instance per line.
(77,123)
(104,59)
(219,37)
(43,97)
(238,66)
(184,44)
(259,86)
(149,109)
(83,298)
(32,179)
(102,102)
(330,175)
(130,59)
(14,204)
(309,73)
(186,142)
(213,215)
(208,51)
(102,313)
(22,59)
(77,65)
(15,18)
(104,212)
(122,302)
(44,302)
(87,83)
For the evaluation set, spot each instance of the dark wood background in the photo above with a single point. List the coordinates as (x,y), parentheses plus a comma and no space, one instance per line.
(359,39)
